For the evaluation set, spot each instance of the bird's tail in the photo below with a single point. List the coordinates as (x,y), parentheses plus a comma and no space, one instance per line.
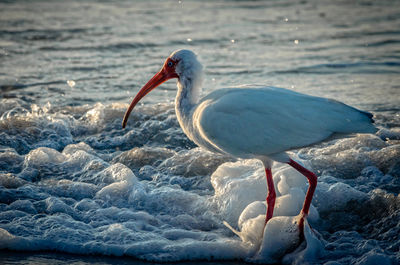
(368,114)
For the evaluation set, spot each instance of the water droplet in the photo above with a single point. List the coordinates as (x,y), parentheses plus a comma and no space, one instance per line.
(71,83)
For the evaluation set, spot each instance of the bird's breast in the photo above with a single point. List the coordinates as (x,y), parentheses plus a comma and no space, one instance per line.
(188,120)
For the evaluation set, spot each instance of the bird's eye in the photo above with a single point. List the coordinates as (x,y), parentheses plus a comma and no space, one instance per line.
(170,64)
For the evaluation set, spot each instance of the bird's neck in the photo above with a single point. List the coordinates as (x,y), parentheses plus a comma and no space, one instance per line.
(187,97)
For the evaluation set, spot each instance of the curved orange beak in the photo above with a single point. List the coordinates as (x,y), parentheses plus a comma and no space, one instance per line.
(163,75)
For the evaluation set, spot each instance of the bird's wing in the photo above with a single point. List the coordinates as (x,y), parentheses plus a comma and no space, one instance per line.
(265,121)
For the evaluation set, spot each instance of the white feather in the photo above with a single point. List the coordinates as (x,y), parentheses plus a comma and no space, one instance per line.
(260,122)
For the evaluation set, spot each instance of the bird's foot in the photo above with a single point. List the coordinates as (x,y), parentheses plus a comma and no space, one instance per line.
(301,221)
(301,218)
(267,218)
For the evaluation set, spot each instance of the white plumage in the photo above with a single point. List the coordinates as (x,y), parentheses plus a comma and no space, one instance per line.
(255,122)
(266,121)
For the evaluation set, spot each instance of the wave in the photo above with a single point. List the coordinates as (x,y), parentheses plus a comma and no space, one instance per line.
(72,180)
(355,68)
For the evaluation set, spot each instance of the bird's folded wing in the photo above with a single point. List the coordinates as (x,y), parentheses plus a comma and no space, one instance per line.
(272,120)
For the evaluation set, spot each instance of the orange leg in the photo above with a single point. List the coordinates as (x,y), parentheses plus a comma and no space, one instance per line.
(312,180)
(271,195)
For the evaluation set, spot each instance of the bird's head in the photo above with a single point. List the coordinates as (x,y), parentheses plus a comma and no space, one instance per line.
(181,64)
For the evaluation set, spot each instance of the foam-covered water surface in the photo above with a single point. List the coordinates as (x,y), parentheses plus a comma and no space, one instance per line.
(73,181)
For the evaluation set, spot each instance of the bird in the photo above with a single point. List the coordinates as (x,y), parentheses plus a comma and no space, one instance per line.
(255,122)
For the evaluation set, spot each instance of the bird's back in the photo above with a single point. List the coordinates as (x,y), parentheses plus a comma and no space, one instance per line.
(261,121)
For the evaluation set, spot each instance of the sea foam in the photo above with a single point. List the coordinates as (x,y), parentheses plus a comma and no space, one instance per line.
(91,190)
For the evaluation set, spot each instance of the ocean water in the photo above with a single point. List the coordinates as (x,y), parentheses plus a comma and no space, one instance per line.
(73,182)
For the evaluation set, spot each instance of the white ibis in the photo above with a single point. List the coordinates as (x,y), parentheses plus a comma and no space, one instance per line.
(254,122)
